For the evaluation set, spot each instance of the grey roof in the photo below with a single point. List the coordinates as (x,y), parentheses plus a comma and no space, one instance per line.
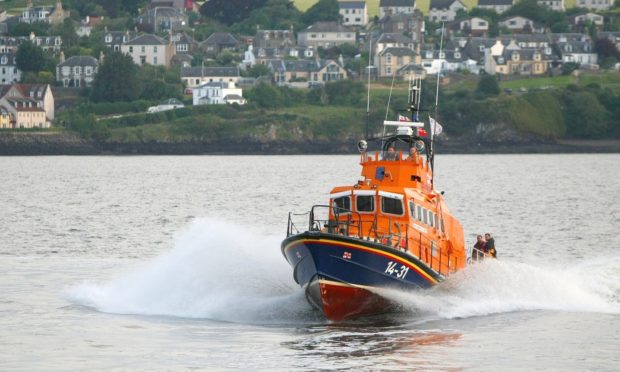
(233,96)
(494,2)
(394,38)
(401,3)
(79,61)
(352,4)
(162,12)
(117,36)
(441,4)
(147,39)
(398,51)
(221,38)
(410,67)
(209,71)
(326,27)
(182,38)
(302,65)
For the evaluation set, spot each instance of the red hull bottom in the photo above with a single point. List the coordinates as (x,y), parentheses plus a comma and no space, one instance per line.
(341,301)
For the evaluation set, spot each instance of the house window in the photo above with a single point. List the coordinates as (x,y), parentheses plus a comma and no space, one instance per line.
(143,49)
(388,59)
(155,49)
(154,60)
(130,49)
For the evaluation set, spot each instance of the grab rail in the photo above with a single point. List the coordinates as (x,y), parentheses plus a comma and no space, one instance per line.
(423,248)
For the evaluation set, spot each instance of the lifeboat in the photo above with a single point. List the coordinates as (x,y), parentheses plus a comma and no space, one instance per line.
(390,229)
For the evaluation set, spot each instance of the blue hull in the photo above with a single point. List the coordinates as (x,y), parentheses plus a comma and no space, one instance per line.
(321,260)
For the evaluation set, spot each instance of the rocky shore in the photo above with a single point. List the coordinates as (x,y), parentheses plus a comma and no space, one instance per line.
(18,143)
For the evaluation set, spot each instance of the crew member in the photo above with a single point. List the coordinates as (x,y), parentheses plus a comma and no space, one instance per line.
(490,245)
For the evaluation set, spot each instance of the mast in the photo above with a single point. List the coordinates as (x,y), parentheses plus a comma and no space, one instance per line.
(368,85)
(436,109)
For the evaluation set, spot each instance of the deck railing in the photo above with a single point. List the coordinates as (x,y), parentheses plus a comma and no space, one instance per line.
(340,221)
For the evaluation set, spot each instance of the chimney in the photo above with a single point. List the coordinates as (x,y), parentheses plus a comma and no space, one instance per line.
(62,56)
(101,57)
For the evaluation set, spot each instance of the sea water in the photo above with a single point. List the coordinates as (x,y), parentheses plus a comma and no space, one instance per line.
(168,263)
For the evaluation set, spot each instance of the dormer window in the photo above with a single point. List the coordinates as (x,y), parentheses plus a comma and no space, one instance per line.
(515,56)
(500,60)
(481,48)
(457,55)
(442,55)
(108,38)
(4,60)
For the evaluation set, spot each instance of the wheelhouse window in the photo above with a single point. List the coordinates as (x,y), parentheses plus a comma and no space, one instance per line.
(365,203)
(424,217)
(431,219)
(342,204)
(392,206)
(419,213)
(412,209)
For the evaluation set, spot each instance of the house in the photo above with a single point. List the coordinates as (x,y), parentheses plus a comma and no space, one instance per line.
(392,41)
(390,60)
(86,25)
(54,15)
(115,39)
(512,59)
(595,4)
(161,19)
(47,43)
(195,76)
(557,5)
(150,49)
(613,36)
(5,118)
(182,5)
(353,13)
(499,6)
(28,105)
(474,26)
(76,71)
(522,25)
(444,10)
(9,73)
(449,60)
(326,35)
(217,93)
(579,22)
(577,48)
(400,23)
(169,104)
(392,7)
(274,38)
(183,43)
(218,42)
(310,71)
(411,71)
(261,55)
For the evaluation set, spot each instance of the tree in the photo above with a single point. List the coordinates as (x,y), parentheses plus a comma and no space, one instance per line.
(606,48)
(275,15)
(30,58)
(488,85)
(25,29)
(259,70)
(67,31)
(116,80)
(230,11)
(322,11)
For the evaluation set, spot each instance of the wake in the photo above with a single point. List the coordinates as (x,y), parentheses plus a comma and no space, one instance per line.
(225,272)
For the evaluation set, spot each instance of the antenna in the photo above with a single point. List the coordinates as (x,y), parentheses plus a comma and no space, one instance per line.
(368,85)
(436,109)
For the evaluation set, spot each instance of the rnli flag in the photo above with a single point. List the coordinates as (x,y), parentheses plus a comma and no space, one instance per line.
(422,132)
(436,128)
(403,118)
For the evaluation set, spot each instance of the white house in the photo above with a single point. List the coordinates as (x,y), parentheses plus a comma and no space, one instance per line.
(217,93)
(518,24)
(326,35)
(353,13)
(595,4)
(499,6)
(552,4)
(9,73)
(392,7)
(150,49)
(193,77)
(444,10)
(77,71)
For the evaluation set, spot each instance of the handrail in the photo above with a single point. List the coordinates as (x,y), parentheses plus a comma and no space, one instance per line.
(352,225)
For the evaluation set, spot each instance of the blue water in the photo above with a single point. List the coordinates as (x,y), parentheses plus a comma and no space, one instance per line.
(171,263)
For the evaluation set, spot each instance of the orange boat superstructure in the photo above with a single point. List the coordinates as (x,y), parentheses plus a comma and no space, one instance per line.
(389,229)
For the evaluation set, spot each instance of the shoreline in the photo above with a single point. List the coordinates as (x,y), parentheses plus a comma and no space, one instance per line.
(61,143)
